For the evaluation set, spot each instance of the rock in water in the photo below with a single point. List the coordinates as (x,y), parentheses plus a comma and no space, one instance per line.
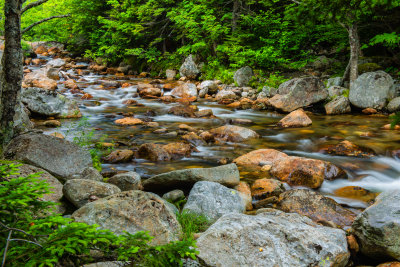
(394,105)
(371,90)
(243,76)
(189,68)
(339,105)
(296,118)
(214,200)
(272,238)
(227,175)
(57,156)
(133,211)
(232,133)
(185,90)
(378,227)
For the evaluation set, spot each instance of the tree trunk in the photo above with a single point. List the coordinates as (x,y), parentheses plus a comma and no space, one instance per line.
(235,14)
(11,73)
(354,41)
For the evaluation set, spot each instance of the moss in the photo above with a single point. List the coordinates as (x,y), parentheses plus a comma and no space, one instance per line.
(368,67)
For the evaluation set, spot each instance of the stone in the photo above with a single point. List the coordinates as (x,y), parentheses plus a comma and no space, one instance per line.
(297,118)
(243,76)
(299,93)
(129,121)
(265,188)
(52,123)
(349,149)
(268,91)
(185,90)
(317,207)
(337,81)
(170,74)
(193,139)
(256,159)
(53,73)
(272,238)
(183,110)
(174,195)
(150,92)
(233,133)
(356,192)
(58,156)
(245,193)
(56,63)
(213,200)
(378,227)
(394,105)
(106,264)
(127,181)
(132,211)
(227,175)
(189,68)
(226,95)
(178,150)
(80,191)
(119,156)
(335,91)
(389,264)
(154,152)
(88,173)
(371,90)
(207,87)
(339,105)
(369,111)
(38,78)
(204,113)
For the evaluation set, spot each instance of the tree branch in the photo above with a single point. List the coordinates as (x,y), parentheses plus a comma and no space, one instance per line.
(32,5)
(41,21)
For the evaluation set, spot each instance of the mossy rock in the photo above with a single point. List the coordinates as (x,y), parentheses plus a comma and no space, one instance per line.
(368,67)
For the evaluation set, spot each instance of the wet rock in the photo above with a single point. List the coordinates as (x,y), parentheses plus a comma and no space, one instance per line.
(57,156)
(226,95)
(232,133)
(56,63)
(337,81)
(335,91)
(266,202)
(52,123)
(318,208)
(369,111)
(258,158)
(296,118)
(241,121)
(204,113)
(88,173)
(213,200)
(339,105)
(394,105)
(178,150)
(127,181)
(71,84)
(378,227)
(227,175)
(245,193)
(170,74)
(356,192)
(80,191)
(347,148)
(154,152)
(40,49)
(119,156)
(207,136)
(132,211)
(272,238)
(38,78)
(265,188)
(129,121)
(207,87)
(194,139)
(299,93)
(243,76)
(150,92)
(185,127)
(47,103)
(174,195)
(371,90)
(53,73)
(389,264)
(262,104)
(183,111)
(186,89)
(189,68)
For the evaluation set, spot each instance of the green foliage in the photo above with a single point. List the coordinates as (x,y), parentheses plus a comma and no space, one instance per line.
(368,67)
(192,223)
(395,119)
(37,237)
(391,40)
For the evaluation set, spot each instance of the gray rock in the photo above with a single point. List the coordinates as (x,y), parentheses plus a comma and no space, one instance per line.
(80,191)
(339,105)
(272,239)
(226,94)
(269,91)
(243,76)
(334,82)
(233,133)
(170,74)
(127,181)
(335,91)
(108,264)
(378,227)
(186,89)
(56,63)
(47,103)
(21,122)
(53,73)
(189,68)
(371,90)
(133,211)
(321,63)
(59,157)
(207,87)
(174,195)
(88,173)
(227,175)
(299,93)
(214,200)
(394,105)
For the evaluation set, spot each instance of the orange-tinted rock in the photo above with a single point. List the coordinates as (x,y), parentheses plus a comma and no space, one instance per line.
(261,104)
(265,188)
(352,243)
(119,156)
(87,96)
(129,121)
(389,127)
(58,135)
(154,152)
(207,136)
(297,118)
(245,193)
(143,75)
(204,113)
(52,123)
(71,84)
(150,92)
(178,150)
(232,133)
(390,264)
(183,110)
(369,111)
(193,138)
(356,192)
(39,79)
(246,103)
(40,49)
(347,148)
(234,105)
(130,102)
(185,127)
(258,158)
(98,68)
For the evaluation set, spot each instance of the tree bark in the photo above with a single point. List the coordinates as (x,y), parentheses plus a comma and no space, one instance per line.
(11,73)
(32,5)
(43,20)
(354,41)
(235,14)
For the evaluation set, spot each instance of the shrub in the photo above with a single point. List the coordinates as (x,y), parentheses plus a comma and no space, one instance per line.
(192,223)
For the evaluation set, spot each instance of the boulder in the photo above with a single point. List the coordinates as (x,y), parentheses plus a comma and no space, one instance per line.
(245,193)
(185,90)
(243,76)
(53,73)
(58,156)
(81,191)
(193,139)
(154,152)
(299,93)
(183,110)
(258,158)
(132,211)
(56,63)
(335,91)
(189,68)
(318,208)
(272,238)
(232,133)
(127,181)
(227,175)
(378,227)
(295,119)
(371,90)
(47,103)
(88,173)
(339,105)
(150,92)
(348,149)
(207,87)
(170,74)
(226,95)
(178,150)
(213,200)
(265,188)
(119,156)
(337,81)
(394,105)
(174,195)
(38,78)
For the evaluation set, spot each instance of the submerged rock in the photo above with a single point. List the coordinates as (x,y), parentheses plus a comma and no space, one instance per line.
(272,238)
(347,148)
(296,118)
(232,133)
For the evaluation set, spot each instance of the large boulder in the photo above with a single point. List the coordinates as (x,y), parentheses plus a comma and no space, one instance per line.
(185,90)
(127,181)
(378,227)
(299,93)
(227,175)
(46,103)
(214,200)
(88,173)
(335,91)
(232,133)
(39,78)
(297,118)
(318,208)
(59,157)
(226,95)
(243,76)
(272,238)
(394,105)
(56,63)
(208,87)
(189,68)
(339,105)
(132,211)
(81,191)
(371,90)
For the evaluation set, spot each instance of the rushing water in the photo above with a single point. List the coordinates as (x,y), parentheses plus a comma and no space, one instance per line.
(376,174)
